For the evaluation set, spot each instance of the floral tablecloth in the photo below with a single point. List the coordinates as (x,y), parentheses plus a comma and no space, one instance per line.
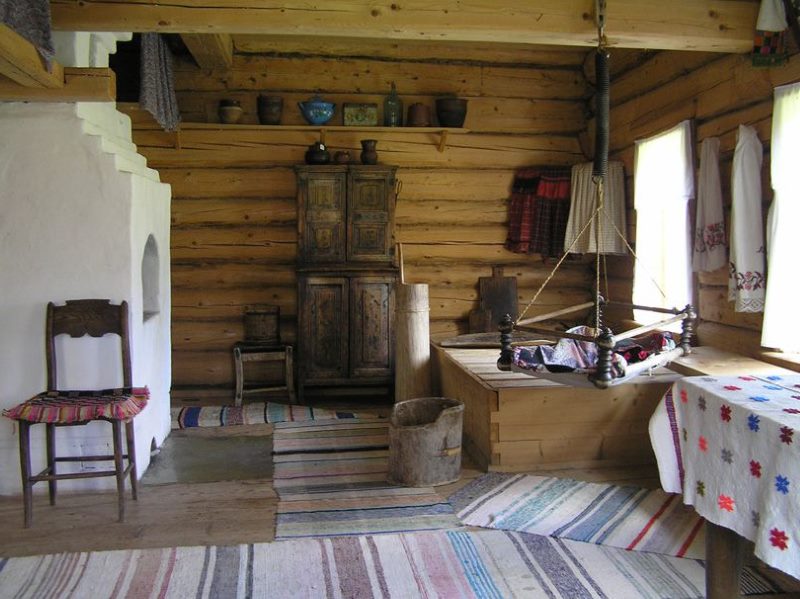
(731,445)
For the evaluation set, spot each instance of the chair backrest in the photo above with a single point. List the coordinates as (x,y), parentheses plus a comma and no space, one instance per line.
(262,324)
(93,317)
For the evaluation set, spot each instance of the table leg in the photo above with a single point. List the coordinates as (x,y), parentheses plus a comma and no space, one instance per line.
(724,557)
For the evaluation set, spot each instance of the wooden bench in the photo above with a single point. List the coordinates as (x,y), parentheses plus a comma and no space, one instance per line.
(514,422)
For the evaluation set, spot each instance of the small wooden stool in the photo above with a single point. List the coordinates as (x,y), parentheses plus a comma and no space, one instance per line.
(255,352)
(263,344)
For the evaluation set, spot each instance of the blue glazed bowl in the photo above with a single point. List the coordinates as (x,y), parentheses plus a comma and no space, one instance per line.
(316,111)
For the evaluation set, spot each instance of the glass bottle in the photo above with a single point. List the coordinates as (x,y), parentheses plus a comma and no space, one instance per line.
(392,109)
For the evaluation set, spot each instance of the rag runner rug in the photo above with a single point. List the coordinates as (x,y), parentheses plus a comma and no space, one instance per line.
(331,480)
(255,413)
(448,564)
(627,517)
(336,435)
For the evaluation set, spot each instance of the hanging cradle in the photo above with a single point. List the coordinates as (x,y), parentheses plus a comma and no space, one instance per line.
(595,357)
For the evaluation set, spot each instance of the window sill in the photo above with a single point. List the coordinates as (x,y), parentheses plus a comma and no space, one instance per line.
(790,360)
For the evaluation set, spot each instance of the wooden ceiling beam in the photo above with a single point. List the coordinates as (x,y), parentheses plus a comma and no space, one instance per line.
(709,25)
(80,85)
(210,51)
(21,62)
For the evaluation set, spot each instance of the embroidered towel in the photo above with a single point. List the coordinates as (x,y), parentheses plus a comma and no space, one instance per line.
(583,198)
(746,268)
(709,235)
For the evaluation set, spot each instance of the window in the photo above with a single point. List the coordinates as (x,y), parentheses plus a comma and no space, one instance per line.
(781,328)
(663,186)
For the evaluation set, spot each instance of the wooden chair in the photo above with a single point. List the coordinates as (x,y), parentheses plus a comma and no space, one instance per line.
(263,344)
(54,407)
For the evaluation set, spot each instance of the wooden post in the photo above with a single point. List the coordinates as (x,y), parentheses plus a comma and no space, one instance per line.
(724,558)
(412,343)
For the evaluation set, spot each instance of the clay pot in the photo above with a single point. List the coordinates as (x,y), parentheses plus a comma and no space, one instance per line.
(369,154)
(419,115)
(342,157)
(451,112)
(317,153)
(270,109)
(229,111)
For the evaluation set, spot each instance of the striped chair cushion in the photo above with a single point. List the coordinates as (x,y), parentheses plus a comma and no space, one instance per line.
(70,407)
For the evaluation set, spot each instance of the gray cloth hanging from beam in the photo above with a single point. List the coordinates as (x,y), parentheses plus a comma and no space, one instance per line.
(157,92)
(31,19)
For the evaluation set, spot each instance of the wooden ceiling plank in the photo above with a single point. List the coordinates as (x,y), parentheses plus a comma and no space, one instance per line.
(210,51)
(80,85)
(21,62)
(709,25)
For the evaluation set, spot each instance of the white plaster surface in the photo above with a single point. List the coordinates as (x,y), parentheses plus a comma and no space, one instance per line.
(72,225)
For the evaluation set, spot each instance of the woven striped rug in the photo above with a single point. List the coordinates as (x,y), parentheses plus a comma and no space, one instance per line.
(338,435)
(331,480)
(486,564)
(627,517)
(255,413)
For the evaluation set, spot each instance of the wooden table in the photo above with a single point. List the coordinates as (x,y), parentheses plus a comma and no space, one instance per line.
(736,458)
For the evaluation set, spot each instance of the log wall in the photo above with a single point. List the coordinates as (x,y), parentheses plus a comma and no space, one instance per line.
(653,92)
(234,213)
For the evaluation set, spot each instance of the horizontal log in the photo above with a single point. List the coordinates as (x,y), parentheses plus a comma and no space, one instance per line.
(238,147)
(80,85)
(21,62)
(455,184)
(470,234)
(214,51)
(365,76)
(457,303)
(659,69)
(528,276)
(202,368)
(746,342)
(273,182)
(721,26)
(202,276)
(256,253)
(411,50)
(714,307)
(442,212)
(251,235)
(188,213)
(283,297)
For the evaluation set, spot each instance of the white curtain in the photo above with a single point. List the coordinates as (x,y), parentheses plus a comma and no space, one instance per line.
(603,230)
(781,328)
(663,186)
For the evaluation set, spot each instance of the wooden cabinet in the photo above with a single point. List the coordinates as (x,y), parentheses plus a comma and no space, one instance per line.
(346,277)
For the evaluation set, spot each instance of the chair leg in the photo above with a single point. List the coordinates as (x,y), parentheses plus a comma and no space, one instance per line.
(119,467)
(237,359)
(289,366)
(25,468)
(51,461)
(131,440)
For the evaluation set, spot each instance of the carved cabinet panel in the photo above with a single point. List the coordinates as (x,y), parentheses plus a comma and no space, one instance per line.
(370,216)
(371,326)
(325,306)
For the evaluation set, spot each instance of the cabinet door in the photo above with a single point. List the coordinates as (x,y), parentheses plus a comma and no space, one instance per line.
(320,217)
(372,326)
(324,339)
(370,215)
